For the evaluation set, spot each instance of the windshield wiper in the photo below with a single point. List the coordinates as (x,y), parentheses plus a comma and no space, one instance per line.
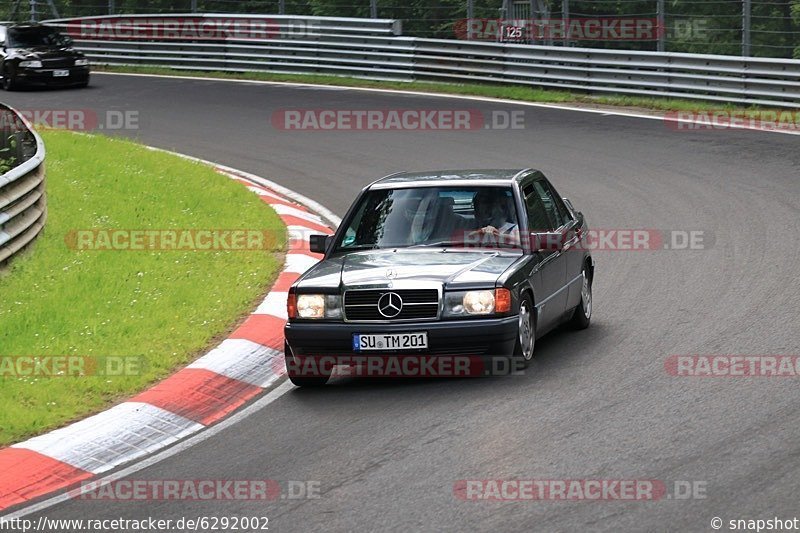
(438,243)
(358,247)
(466,245)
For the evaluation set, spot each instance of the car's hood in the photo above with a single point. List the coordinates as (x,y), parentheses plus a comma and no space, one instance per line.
(383,268)
(44,52)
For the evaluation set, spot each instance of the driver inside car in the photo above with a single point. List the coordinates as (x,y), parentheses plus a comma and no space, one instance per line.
(494,217)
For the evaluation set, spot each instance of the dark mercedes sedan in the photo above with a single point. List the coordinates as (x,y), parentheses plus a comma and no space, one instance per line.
(34,54)
(475,263)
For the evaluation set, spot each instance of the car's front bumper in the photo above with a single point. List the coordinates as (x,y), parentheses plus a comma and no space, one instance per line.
(474,337)
(45,77)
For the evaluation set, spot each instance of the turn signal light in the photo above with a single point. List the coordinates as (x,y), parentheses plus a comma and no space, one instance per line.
(291,305)
(502,300)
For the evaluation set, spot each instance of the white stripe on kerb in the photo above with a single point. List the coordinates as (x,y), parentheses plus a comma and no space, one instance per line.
(283,209)
(299,263)
(241,359)
(123,433)
(274,304)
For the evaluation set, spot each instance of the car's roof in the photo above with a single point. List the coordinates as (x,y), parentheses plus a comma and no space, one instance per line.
(17,24)
(451,177)
(26,26)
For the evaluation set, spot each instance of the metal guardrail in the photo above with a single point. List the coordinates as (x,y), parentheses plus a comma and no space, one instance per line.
(372,49)
(23,208)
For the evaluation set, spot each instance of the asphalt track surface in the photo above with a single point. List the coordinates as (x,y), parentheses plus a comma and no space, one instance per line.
(596,404)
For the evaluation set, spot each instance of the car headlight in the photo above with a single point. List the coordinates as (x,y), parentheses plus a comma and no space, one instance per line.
(483,302)
(30,64)
(314,306)
(81,62)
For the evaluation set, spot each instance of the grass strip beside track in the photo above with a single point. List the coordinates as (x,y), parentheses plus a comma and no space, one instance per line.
(162,308)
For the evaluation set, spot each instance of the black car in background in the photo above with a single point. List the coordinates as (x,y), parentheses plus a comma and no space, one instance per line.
(475,263)
(35,54)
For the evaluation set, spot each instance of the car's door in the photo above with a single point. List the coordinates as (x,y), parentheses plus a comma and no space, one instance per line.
(549,276)
(572,253)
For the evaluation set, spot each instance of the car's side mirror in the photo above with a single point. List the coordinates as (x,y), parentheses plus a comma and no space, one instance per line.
(578,214)
(318,243)
(551,241)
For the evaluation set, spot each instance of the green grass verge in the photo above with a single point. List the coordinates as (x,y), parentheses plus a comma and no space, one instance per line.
(510,92)
(163,307)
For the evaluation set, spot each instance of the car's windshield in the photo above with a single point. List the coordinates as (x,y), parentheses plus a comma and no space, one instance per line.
(434,217)
(33,37)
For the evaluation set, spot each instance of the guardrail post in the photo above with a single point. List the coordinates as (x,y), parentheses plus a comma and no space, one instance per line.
(746,19)
(194,6)
(565,21)
(373,9)
(661,19)
(282,7)
(470,16)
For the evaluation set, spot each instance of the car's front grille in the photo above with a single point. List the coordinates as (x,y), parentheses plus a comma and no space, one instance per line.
(417,304)
(65,62)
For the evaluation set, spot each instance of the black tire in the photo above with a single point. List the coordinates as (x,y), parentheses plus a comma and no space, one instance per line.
(9,83)
(582,316)
(522,356)
(298,377)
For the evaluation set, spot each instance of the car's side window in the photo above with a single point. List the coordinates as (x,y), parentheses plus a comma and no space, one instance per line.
(563,213)
(538,219)
(554,207)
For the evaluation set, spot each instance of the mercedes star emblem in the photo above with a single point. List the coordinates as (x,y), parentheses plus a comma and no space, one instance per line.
(390,305)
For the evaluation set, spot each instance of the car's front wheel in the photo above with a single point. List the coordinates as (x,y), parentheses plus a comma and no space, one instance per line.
(9,83)
(526,332)
(582,316)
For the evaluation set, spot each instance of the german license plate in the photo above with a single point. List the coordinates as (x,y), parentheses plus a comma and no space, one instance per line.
(60,73)
(390,341)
